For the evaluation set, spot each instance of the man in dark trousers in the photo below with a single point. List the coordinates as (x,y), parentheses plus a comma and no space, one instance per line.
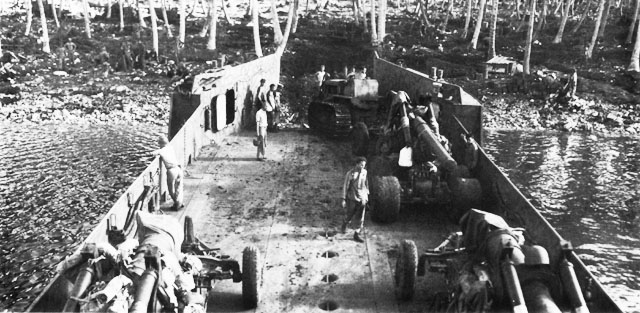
(355,195)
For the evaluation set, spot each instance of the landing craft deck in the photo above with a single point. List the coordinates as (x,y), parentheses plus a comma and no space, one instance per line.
(288,208)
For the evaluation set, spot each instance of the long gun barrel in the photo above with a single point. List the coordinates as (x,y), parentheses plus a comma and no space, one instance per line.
(426,136)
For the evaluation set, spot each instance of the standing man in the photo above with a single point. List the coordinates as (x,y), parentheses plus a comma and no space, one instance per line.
(277,108)
(270,105)
(174,171)
(320,77)
(355,195)
(261,132)
(572,84)
(261,94)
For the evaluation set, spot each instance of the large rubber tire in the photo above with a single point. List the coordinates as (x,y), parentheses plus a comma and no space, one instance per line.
(360,139)
(379,166)
(385,198)
(406,266)
(250,277)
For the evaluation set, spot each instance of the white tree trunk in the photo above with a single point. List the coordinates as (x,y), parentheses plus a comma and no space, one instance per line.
(594,38)
(527,51)
(605,17)
(294,22)
(121,15)
(140,19)
(154,28)
(255,20)
(226,14)
(287,28)
(87,22)
(29,17)
(277,32)
(183,18)
(467,19)
(629,39)
(635,55)
(494,25)
(55,14)
(108,8)
(45,31)
(382,20)
(374,34)
(563,23)
(167,26)
(448,13)
(213,9)
(476,32)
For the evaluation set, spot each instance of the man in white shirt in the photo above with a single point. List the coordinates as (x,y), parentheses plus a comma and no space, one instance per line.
(261,132)
(320,76)
(174,171)
(355,195)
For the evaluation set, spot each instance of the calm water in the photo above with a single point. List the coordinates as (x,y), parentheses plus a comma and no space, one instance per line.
(56,182)
(587,187)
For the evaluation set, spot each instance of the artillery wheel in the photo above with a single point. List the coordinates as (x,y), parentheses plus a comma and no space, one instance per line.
(360,139)
(250,277)
(406,270)
(379,166)
(385,198)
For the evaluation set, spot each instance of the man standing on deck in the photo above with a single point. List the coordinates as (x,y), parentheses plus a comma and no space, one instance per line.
(355,194)
(174,171)
(261,132)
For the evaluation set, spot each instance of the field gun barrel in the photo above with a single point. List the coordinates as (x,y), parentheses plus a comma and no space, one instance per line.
(428,137)
(83,281)
(144,291)
(538,297)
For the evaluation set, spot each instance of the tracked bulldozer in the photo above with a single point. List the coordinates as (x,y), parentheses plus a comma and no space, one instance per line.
(348,108)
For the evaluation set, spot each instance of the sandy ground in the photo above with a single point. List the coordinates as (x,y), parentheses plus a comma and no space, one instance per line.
(288,207)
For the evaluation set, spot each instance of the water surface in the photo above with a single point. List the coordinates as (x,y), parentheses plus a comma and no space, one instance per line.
(587,187)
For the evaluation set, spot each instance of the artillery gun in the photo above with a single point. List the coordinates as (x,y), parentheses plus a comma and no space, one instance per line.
(413,162)
(160,273)
(489,267)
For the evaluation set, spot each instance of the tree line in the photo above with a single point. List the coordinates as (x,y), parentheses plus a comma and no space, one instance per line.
(372,16)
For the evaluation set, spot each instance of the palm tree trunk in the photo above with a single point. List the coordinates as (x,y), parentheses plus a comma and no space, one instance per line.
(55,14)
(108,8)
(121,15)
(382,20)
(492,31)
(634,66)
(584,16)
(45,31)
(594,38)
(374,34)
(154,28)
(629,39)
(167,26)
(364,16)
(563,23)
(476,32)
(140,19)
(255,10)
(207,20)
(517,8)
(527,51)
(183,18)
(543,19)
(211,44)
(87,22)
(287,28)
(29,17)
(605,17)
(294,22)
(447,14)
(277,32)
(356,13)
(467,19)
(226,14)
